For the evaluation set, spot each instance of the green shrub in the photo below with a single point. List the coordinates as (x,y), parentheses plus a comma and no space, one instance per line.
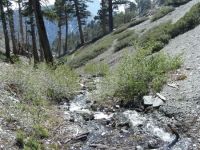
(136,22)
(90,51)
(164,11)
(35,83)
(20,137)
(176,3)
(121,29)
(125,34)
(189,21)
(140,75)
(128,41)
(128,25)
(99,69)
(32,143)
(40,132)
(156,38)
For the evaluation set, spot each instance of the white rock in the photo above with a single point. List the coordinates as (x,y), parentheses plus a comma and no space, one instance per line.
(158,102)
(148,100)
(161,96)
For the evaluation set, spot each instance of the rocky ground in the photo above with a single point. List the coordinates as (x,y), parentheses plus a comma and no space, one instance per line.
(120,128)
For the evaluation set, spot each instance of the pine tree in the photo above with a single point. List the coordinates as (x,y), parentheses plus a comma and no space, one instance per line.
(5,30)
(12,28)
(28,12)
(81,14)
(42,31)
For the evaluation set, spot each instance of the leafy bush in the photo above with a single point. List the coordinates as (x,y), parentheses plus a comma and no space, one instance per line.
(99,69)
(34,84)
(128,41)
(32,143)
(140,75)
(121,29)
(20,136)
(90,51)
(176,3)
(125,34)
(164,11)
(136,22)
(156,38)
(40,132)
(189,21)
(128,25)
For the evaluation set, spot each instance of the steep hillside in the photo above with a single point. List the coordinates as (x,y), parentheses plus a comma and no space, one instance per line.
(113,58)
(136,88)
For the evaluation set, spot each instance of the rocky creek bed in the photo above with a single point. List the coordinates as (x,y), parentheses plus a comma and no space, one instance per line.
(85,126)
(112,127)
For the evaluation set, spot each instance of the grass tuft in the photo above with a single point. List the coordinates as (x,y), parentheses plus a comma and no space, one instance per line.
(164,11)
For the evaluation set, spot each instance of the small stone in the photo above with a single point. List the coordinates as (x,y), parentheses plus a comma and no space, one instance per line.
(148,100)
(157,102)
(174,85)
(139,147)
(117,106)
(188,68)
(161,96)
(153,144)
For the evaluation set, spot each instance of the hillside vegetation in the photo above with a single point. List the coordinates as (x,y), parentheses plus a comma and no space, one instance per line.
(140,73)
(142,70)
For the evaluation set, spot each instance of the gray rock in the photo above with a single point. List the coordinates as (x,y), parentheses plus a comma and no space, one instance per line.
(148,100)
(157,102)
(153,144)
(139,147)
(100,146)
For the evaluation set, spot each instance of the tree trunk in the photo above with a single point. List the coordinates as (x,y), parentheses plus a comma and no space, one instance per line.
(21,29)
(12,30)
(79,22)
(59,39)
(34,45)
(110,10)
(41,52)
(5,30)
(66,33)
(103,20)
(42,31)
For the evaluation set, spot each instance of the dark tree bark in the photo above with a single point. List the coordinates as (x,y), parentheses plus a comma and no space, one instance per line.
(12,29)
(5,30)
(110,10)
(66,33)
(79,21)
(35,52)
(103,20)
(59,39)
(21,29)
(42,31)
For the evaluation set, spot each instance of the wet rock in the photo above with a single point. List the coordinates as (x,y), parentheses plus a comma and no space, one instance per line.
(88,101)
(71,119)
(94,107)
(149,109)
(123,131)
(153,144)
(105,122)
(81,137)
(99,146)
(88,117)
(123,124)
(148,100)
(157,102)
